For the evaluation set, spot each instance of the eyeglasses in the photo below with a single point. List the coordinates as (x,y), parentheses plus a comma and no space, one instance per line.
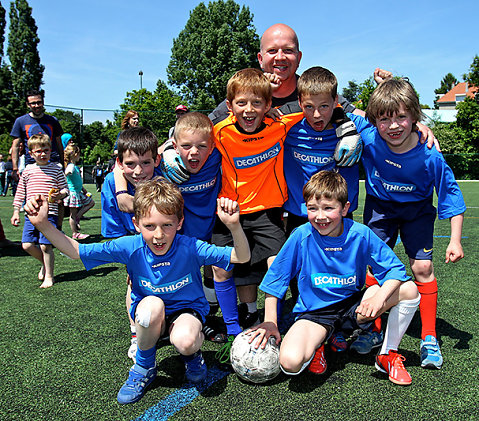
(36,103)
(40,151)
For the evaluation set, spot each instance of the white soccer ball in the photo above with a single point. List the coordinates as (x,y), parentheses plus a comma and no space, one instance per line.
(255,365)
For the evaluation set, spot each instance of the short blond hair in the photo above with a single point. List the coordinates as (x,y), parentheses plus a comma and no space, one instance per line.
(160,193)
(327,184)
(196,122)
(317,80)
(249,80)
(39,140)
(388,97)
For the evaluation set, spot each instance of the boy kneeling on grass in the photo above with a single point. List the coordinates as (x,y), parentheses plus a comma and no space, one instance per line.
(167,293)
(329,256)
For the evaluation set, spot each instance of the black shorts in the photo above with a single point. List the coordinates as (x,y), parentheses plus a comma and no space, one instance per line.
(170,319)
(264,231)
(338,316)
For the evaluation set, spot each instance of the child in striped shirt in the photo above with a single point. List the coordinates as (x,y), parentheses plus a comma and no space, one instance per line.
(47,178)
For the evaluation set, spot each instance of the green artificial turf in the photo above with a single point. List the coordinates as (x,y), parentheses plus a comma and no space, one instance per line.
(63,349)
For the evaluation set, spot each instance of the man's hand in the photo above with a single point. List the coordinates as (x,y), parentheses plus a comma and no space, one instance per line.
(274,80)
(381,75)
(172,166)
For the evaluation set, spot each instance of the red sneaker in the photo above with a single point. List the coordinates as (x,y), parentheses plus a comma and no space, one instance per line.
(318,363)
(392,365)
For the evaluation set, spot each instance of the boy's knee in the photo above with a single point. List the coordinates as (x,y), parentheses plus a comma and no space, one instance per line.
(423,270)
(409,291)
(150,311)
(290,362)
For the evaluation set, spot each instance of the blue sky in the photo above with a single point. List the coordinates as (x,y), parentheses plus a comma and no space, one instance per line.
(93,50)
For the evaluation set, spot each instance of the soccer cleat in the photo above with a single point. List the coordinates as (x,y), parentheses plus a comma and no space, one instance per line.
(366,341)
(247,319)
(223,354)
(318,363)
(431,356)
(214,335)
(135,387)
(392,364)
(337,342)
(196,369)
(133,348)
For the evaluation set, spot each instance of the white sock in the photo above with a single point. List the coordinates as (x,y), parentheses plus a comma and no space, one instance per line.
(400,317)
(252,307)
(210,295)
(133,329)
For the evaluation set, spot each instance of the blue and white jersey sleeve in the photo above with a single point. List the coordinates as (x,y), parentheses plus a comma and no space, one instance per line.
(307,152)
(114,251)
(450,199)
(114,223)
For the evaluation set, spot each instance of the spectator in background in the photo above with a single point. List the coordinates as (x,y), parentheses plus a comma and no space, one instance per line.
(179,111)
(131,119)
(3,173)
(8,172)
(97,174)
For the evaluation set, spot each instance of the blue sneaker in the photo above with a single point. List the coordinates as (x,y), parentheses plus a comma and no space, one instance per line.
(366,341)
(135,387)
(337,343)
(195,368)
(431,356)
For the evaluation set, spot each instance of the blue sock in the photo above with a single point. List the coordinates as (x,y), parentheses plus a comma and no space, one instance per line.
(146,358)
(227,299)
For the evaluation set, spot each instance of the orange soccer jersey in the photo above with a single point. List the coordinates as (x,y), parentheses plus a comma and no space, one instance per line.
(253,163)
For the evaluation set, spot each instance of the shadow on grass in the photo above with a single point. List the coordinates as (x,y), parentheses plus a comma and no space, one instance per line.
(13,250)
(78,275)
(443,328)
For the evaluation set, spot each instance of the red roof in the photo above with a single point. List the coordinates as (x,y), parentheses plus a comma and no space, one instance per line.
(459,89)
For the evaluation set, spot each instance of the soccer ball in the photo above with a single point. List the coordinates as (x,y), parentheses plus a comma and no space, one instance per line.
(254,365)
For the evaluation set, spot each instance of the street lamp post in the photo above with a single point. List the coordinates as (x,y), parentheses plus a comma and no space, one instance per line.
(141,78)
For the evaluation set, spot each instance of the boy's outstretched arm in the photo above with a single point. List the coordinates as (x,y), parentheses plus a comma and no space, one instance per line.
(454,251)
(37,211)
(269,327)
(228,212)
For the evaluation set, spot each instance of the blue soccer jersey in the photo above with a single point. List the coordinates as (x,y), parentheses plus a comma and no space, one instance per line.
(200,193)
(410,176)
(174,277)
(114,222)
(306,152)
(330,269)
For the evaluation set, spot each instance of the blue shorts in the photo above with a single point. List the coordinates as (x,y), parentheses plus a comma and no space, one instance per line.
(32,235)
(414,221)
(340,316)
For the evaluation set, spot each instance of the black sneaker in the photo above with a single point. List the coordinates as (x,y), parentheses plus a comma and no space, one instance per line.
(214,335)
(247,319)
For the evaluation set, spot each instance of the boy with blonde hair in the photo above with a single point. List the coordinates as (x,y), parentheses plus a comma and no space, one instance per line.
(164,268)
(46,178)
(252,152)
(329,256)
(401,175)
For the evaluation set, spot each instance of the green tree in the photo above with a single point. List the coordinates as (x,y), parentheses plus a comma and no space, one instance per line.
(99,140)
(447,83)
(364,93)
(472,77)
(156,109)
(351,93)
(218,40)
(70,122)
(27,71)
(467,121)
(9,104)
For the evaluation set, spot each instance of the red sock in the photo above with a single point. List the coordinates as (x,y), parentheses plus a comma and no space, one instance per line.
(428,307)
(371,280)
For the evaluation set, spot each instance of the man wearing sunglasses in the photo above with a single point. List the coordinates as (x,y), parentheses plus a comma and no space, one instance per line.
(35,122)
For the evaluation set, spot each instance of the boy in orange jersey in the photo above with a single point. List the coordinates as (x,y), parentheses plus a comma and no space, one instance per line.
(251,146)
